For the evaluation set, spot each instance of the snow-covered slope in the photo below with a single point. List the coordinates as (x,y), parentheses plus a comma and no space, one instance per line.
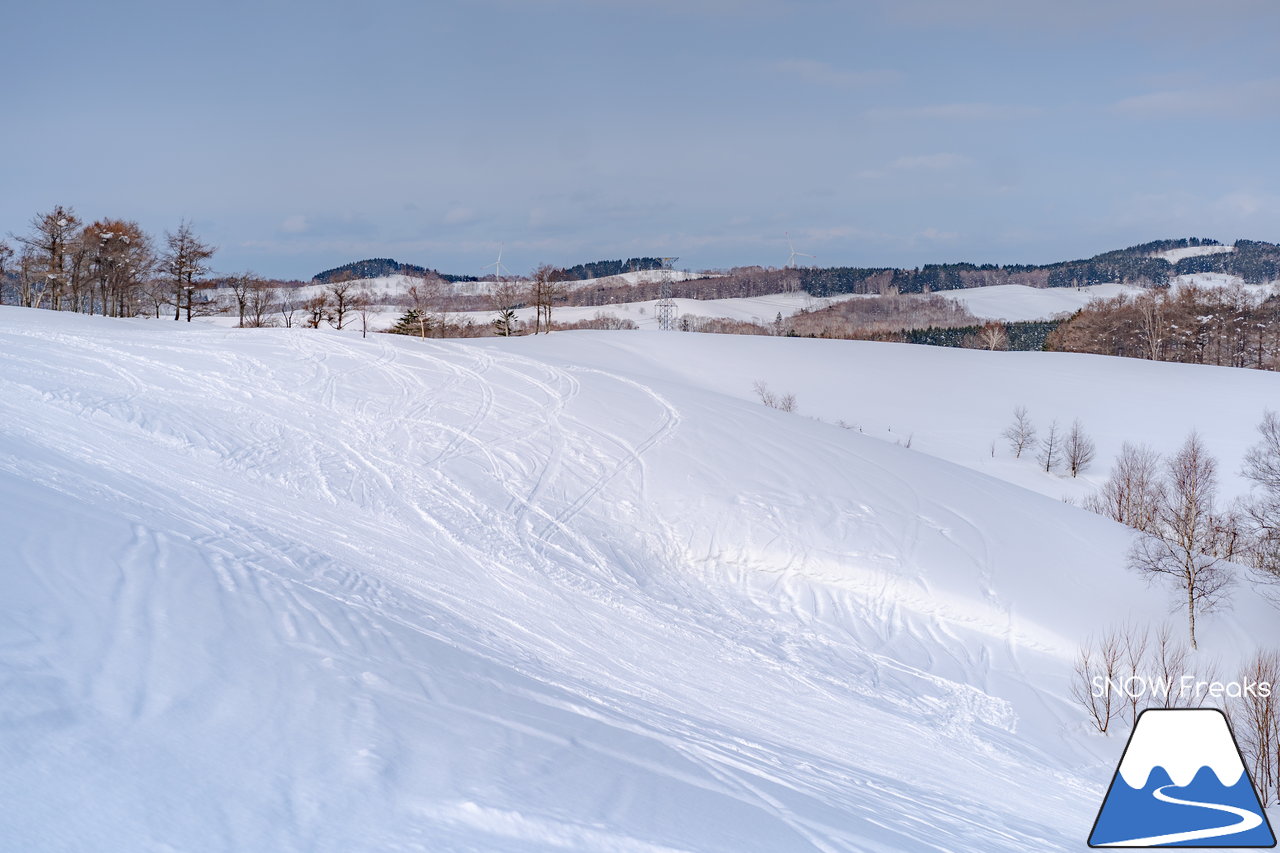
(753,309)
(1017,303)
(290,590)
(1175,255)
(953,403)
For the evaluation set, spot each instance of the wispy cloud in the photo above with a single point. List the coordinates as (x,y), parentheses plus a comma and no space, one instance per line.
(1254,98)
(942,162)
(825,74)
(956,112)
(460,216)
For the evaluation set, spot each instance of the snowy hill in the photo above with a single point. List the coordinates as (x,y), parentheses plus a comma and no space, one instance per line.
(290,590)
(1013,303)
(1175,255)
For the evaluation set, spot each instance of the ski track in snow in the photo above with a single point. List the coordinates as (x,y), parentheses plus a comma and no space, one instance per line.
(342,594)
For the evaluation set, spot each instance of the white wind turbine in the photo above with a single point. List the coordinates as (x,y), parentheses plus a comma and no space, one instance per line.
(498,266)
(791,261)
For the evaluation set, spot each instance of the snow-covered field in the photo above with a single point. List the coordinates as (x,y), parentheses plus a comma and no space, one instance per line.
(1006,302)
(755,309)
(1014,303)
(293,590)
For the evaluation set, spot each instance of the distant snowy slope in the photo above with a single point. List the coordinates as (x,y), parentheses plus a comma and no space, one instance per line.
(754,309)
(954,403)
(290,590)
(1175,255)
(1015,303)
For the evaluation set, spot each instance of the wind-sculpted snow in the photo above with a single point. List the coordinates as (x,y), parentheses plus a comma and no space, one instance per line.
(291,590)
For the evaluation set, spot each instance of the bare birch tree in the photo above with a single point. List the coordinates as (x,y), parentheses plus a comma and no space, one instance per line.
(1184,542)
(1133,490)
(1098,665)
(1256,721)
(1262,507)
(1020,434)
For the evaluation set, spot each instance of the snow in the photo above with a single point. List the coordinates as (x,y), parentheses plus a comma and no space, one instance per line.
(1015,303)
(1165,740)
(294,590)
(754,309)
(955,403)
(1175,255)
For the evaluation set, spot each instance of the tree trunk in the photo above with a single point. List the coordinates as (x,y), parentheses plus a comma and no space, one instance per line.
(1191,613)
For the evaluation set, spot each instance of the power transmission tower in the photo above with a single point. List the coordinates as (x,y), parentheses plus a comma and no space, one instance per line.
(666,307)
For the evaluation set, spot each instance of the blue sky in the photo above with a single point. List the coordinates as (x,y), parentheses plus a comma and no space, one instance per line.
(297,136)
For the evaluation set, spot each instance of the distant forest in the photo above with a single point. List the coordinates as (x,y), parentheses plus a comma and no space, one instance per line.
(603,269)
(1255,262)
(378,267)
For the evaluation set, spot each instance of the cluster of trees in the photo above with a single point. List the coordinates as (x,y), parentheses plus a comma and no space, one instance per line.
(109,266)
(783,401)
(1254,261)
(1225,326)
(892,312)
(1070,450)
(1125,670)
(1129,668)
(1187,536)
(1026,336)
(603,269)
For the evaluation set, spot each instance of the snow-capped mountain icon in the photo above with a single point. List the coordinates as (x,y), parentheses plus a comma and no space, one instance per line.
(1181,783)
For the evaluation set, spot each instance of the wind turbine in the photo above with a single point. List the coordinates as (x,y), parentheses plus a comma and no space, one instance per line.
(791,261)
(497,265)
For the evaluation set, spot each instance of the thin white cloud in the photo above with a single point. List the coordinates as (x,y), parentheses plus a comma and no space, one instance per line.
(1254,98)
(956,112)
(459,216)
(296,224)
(941,162)
(824,74)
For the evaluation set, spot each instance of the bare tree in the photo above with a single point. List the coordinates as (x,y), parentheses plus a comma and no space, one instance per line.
(1256,721)
(1170,661)
(1132,491)
(257,305)
(184,262)
(316,311)
(1050,455)
(121,261)
(1078,449)
(243,287)
(341,290)
(361,302)
(6,257)
(1262,507)
(993,336)
(1133,644)
(288,303)
(425,303)
(781,402)
(1184,542)
(50,241)
(504,299)
(545,288)
(1020,434)
(1098,666)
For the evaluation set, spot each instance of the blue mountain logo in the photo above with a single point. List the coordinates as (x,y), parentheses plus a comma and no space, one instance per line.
(1181,783)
